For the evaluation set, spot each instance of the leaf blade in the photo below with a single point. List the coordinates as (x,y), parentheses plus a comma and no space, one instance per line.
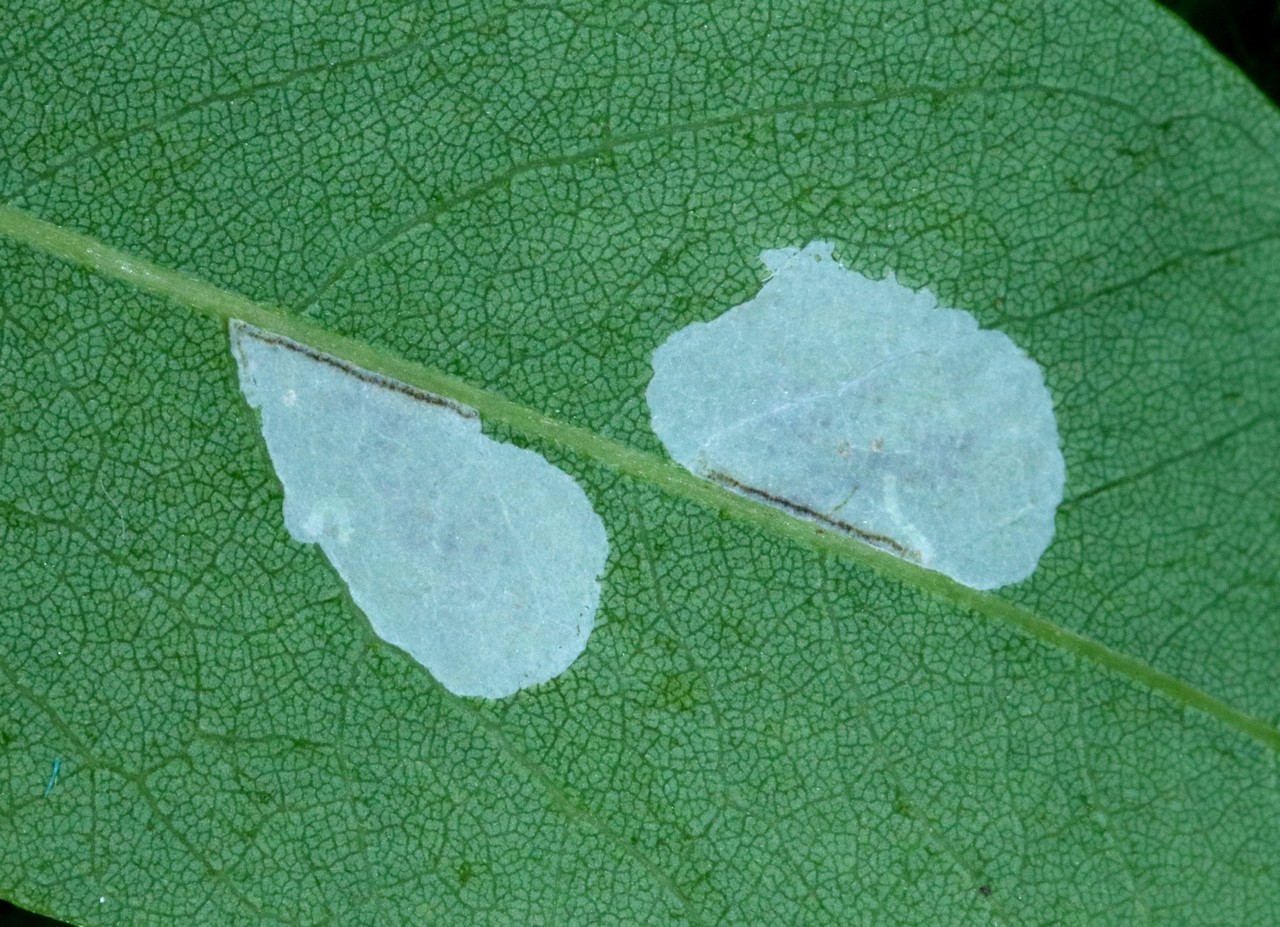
(780,729)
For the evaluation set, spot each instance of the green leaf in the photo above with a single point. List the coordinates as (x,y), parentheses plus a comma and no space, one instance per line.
(513,206)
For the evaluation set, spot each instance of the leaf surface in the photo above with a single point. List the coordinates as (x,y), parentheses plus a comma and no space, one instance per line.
(514,206)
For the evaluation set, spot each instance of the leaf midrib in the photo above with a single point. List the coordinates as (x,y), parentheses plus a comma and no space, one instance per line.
(207,299)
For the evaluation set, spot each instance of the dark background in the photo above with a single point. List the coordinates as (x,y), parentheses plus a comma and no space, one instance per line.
(1246,31)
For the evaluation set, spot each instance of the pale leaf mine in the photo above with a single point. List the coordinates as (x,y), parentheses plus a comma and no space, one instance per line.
(480,559)
(865,406)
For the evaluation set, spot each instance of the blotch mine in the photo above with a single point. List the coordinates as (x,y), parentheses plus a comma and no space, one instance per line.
(480,559)
(865,406)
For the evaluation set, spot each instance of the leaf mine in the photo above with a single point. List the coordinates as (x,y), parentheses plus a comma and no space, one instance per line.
(480,559)
(865,406)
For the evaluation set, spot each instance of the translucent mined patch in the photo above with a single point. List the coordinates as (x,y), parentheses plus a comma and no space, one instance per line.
(864,405)
(479,558)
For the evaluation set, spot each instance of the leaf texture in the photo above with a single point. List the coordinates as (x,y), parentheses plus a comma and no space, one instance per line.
(514,206)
